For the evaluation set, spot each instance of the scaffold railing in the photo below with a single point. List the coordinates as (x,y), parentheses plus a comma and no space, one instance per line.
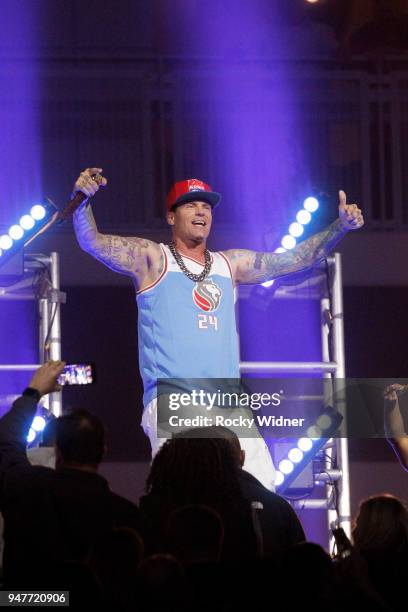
(41,283)
(332,366)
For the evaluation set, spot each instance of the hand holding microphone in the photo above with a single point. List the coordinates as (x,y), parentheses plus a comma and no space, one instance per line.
(85,187)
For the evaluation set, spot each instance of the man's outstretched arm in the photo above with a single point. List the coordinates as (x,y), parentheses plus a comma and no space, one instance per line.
(136,257)
(394,423)
(250,267)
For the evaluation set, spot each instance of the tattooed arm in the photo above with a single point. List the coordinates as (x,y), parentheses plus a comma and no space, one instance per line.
(394,425)
(138,258)
(250,267)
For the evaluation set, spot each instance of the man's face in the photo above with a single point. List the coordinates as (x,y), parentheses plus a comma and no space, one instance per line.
(191,221)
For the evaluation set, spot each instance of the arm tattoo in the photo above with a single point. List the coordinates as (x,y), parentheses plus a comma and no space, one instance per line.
(85,226)
(258,261)
(255,267)
(120,254)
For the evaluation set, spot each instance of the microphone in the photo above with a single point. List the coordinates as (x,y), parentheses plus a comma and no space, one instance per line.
(76,202)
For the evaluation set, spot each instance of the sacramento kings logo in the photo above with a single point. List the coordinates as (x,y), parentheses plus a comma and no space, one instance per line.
(207,295)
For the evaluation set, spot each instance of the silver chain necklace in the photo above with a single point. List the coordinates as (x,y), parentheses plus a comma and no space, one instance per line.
(197,278)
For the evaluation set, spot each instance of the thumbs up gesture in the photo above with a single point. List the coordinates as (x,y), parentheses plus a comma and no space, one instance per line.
(350,215)
(392,392)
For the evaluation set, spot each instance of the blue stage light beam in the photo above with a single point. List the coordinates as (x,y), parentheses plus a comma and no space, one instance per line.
(29,227)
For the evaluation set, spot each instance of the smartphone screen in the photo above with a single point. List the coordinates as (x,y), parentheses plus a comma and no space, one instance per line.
(77,374)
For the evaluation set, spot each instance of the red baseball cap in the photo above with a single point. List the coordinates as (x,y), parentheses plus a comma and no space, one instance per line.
(189,190)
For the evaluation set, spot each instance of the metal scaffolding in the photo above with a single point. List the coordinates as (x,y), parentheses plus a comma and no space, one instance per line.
(332,366)
(41,283)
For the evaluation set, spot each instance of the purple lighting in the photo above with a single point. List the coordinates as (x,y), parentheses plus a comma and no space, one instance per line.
(20,119)
(20,172)
(251,105)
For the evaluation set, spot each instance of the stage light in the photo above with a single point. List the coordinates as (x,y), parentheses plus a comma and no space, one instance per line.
(31,435)
(38,212)
(305,444)
(16,232)
(286,466)
(30,225)
(303,217)
(5,242)
(314,432)
(295,455)
(307,448)
(295,229)
(27,222)
(279,478)
(38,423)
(324,421)
(311,204)
(288,242)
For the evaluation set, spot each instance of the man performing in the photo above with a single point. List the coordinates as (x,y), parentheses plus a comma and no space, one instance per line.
(185,299)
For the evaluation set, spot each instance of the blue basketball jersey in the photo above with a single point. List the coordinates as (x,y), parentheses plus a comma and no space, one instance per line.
(187,329)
